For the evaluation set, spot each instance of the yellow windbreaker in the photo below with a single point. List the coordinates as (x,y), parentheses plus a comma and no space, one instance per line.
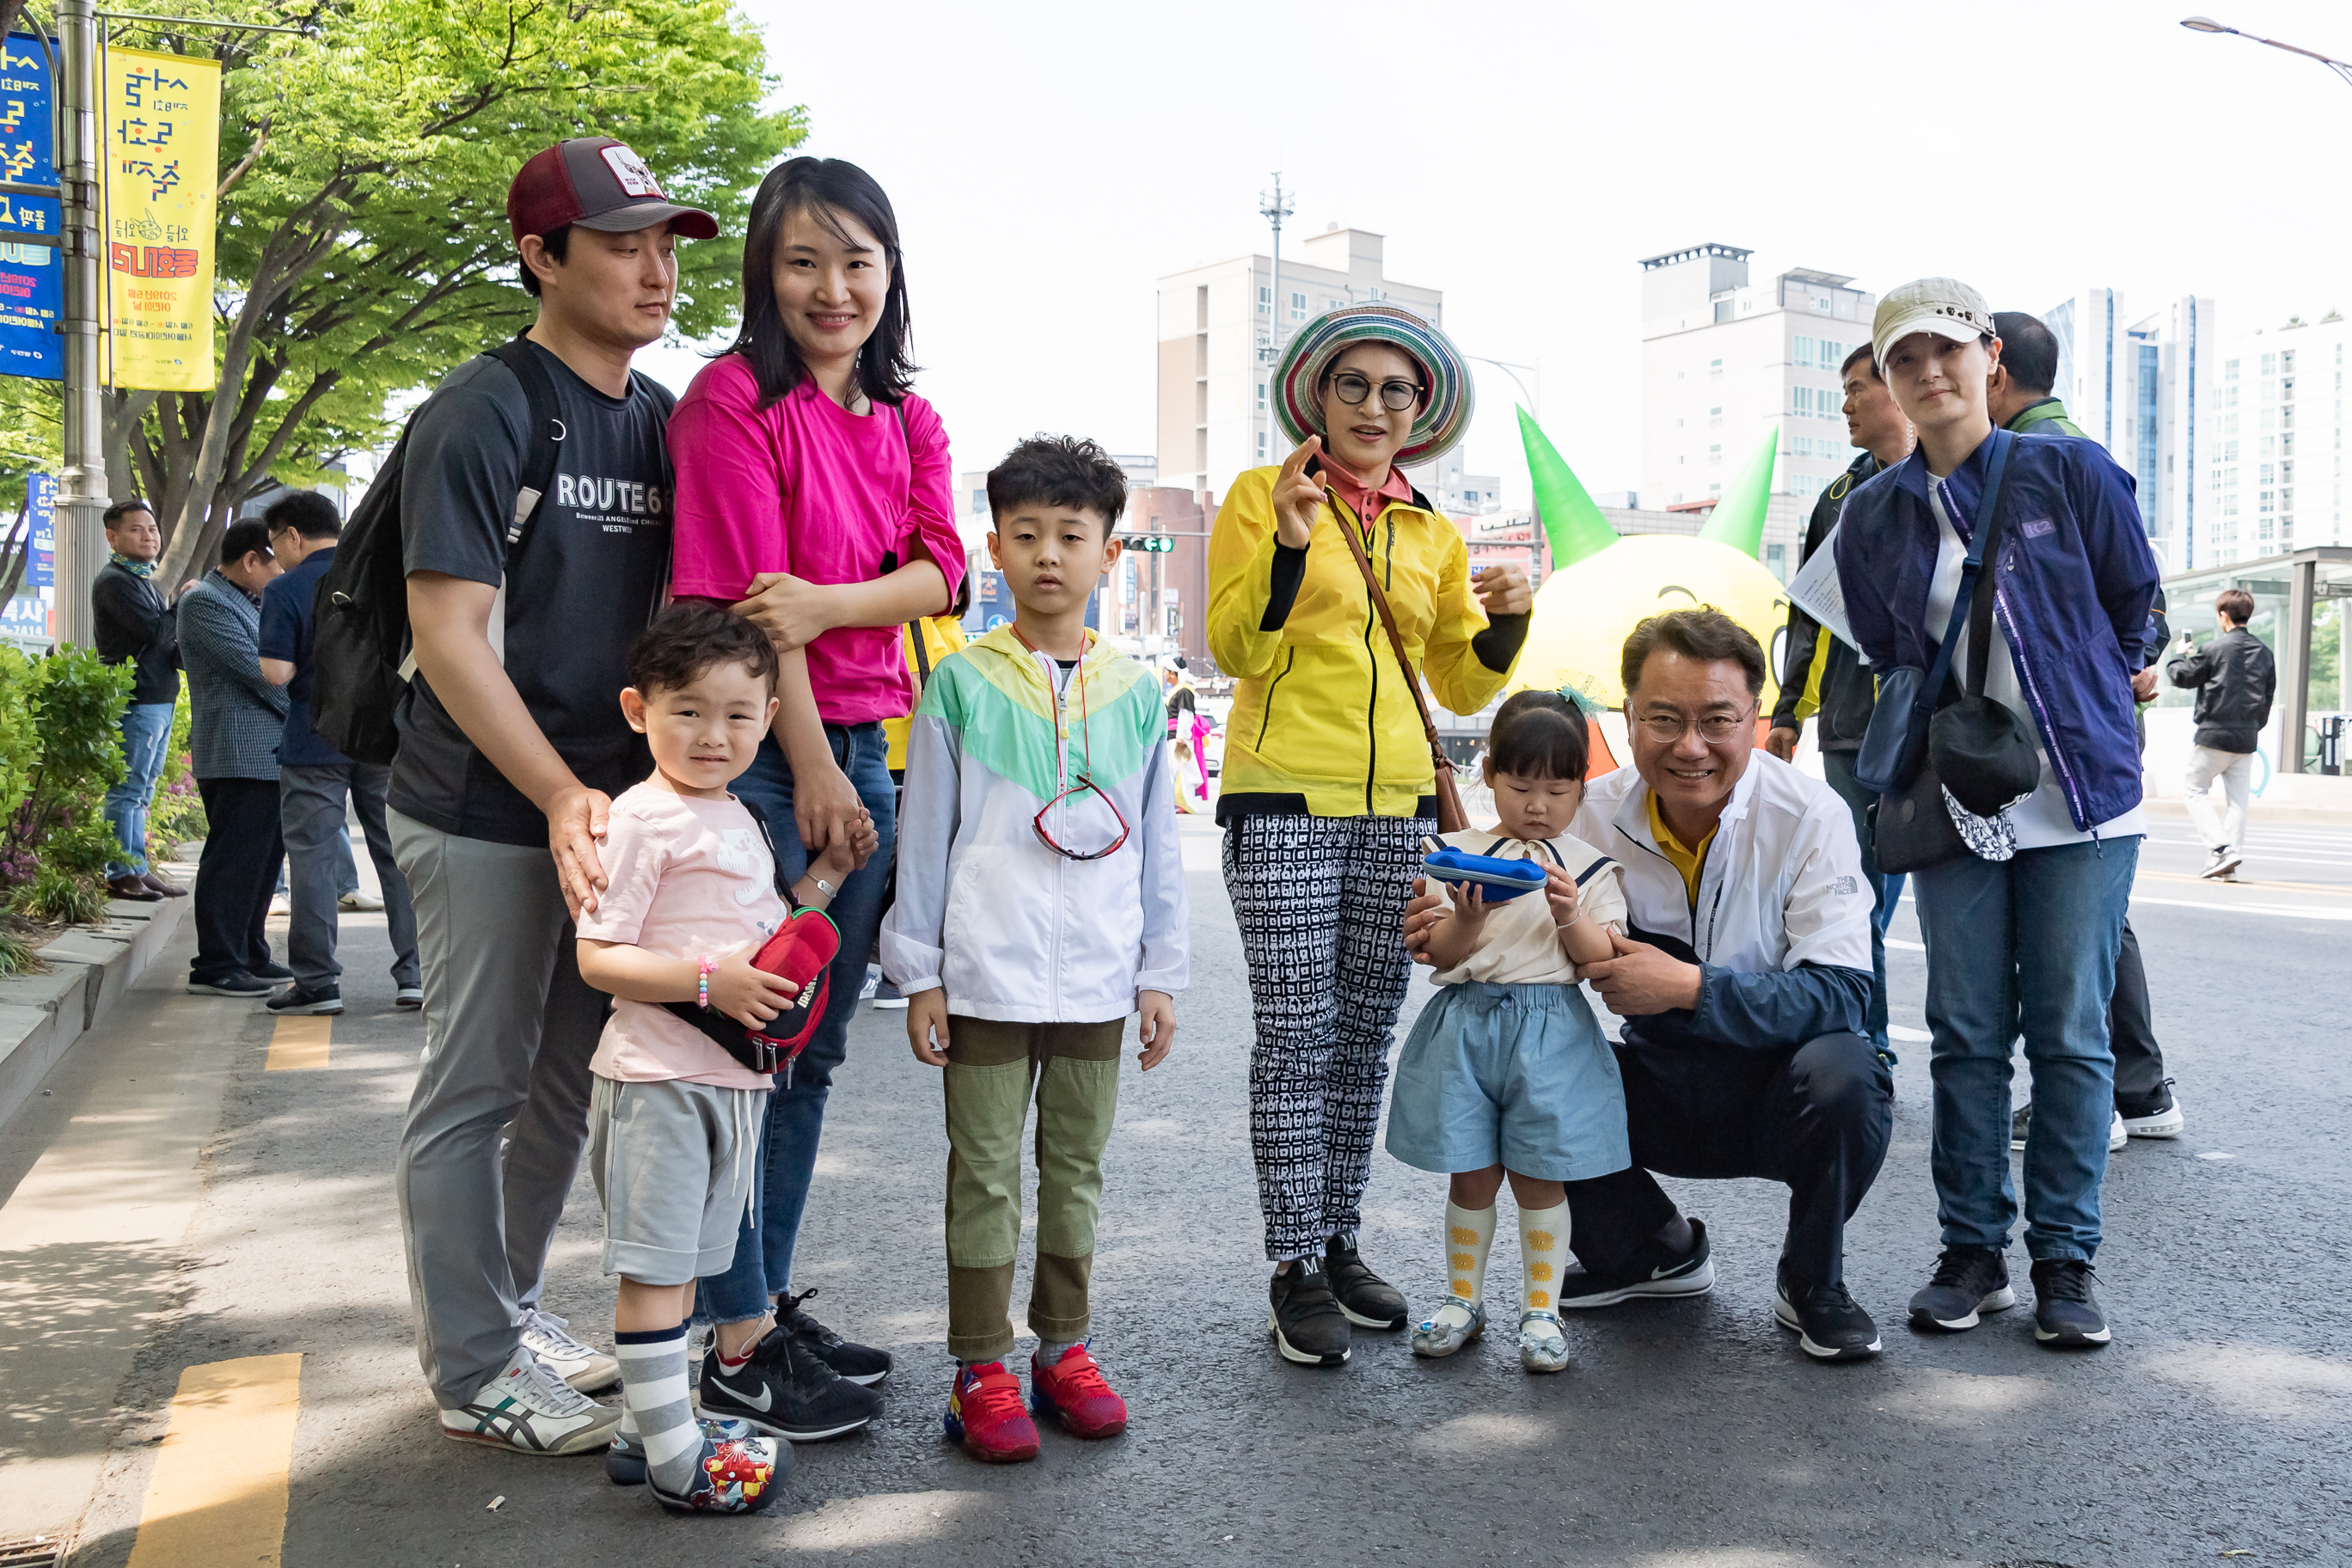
(1320,709)
(942,634)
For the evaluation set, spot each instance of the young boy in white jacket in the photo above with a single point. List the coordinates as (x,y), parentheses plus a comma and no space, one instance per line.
(1039,901)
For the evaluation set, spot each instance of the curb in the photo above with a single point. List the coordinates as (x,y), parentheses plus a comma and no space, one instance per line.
(91,968)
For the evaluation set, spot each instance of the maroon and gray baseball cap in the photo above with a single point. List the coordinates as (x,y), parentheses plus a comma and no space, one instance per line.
(596,182)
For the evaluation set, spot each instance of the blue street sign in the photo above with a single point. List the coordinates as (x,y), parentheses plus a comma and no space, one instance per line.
(41,520)
(32,280)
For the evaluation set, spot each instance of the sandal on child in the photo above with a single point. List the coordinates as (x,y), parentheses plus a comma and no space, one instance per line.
(1455,1324)
(1542,1347)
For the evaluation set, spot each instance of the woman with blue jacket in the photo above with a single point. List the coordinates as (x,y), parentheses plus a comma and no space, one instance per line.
(2026,942)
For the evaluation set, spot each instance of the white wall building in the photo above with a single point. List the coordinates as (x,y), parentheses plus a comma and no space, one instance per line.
(1222,328)
(2272,442)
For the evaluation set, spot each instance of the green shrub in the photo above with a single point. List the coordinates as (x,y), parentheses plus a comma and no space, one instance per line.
(60,751)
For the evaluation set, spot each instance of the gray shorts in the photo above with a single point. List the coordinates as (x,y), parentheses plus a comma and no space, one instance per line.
(673,1162)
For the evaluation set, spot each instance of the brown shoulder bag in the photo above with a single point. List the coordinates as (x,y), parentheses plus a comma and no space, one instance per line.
(1451,818)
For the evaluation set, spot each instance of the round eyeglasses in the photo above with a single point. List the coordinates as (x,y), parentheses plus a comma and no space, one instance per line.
(1715,728)
(1353,388)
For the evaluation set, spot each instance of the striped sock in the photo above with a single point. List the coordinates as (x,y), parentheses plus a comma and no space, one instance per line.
(1469,1234)
(653,1393)
(1543,1253)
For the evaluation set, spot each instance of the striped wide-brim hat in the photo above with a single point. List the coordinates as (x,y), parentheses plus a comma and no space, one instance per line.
(1444,416)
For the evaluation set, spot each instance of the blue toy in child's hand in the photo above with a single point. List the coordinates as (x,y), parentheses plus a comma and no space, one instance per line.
(1502,879)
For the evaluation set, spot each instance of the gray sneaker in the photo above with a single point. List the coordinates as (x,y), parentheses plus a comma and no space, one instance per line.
(526,1408)
(584,1367)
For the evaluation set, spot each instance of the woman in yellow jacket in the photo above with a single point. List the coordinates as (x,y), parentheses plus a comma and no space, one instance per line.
(1327,790)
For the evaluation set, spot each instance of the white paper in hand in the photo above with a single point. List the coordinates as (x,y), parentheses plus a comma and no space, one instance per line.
(1815,590)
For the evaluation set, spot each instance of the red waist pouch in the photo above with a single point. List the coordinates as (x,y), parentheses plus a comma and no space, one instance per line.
(802,951)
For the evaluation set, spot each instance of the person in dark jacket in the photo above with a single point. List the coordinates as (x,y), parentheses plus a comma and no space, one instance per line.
(2026,942)
(134,625)
(1825,674)
(2018,396)
(236,720)
(2234,679)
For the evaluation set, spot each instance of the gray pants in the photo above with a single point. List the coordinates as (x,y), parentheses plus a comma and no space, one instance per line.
(499,1117)
(310,809)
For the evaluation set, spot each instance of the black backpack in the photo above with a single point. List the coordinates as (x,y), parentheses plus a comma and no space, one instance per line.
(360,641)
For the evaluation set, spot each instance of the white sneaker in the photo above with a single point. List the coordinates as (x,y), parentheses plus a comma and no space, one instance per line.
(2166,1122)
(2117,1134)
(873,983)
(2223,866)
(359,903)
(584,1367)
(529,1410)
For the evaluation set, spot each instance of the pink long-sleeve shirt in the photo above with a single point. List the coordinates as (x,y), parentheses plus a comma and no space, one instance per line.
(805,486)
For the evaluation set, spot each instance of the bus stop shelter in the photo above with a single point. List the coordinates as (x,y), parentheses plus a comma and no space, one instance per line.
(2302,602)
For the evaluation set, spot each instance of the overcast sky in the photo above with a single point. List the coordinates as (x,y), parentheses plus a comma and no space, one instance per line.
(1049,162)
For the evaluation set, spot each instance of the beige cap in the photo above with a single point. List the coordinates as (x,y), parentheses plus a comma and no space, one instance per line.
(1944,306)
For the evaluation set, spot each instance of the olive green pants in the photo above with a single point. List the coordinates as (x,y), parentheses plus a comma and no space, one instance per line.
(994,1069)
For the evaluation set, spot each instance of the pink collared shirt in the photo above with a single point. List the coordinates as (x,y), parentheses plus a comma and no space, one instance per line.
(1365,500)
(805,486)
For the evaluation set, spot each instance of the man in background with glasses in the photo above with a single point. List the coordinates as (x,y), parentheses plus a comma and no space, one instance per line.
(1743,985)
(1040,903)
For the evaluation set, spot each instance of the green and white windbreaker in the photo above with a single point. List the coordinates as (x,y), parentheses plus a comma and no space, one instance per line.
(1012,930)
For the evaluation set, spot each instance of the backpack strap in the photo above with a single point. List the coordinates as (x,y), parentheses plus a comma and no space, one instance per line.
(784,887)
(546,431)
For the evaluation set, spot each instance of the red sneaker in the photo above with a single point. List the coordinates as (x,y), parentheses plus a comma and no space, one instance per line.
(1073,1389)
(984,1414)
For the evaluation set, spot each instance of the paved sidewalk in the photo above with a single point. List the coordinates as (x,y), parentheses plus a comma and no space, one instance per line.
(215,1211)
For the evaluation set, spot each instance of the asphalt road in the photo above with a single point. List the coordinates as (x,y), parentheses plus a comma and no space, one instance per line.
(1690,1433)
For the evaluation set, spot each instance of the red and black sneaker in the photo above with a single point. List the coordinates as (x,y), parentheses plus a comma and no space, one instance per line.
(1073,1389)
(984,1414)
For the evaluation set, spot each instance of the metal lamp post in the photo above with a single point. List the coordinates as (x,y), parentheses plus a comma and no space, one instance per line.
(1535,399)
(2206,25)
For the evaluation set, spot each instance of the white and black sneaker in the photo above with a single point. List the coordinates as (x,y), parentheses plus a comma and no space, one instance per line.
(526,1408)
(1969,1281)
(2065,1313)
(2223,866)
(584,1367)
(2160,1118)
(786,1390)
(1829,1324)
(1655,1272)
(1308,1325)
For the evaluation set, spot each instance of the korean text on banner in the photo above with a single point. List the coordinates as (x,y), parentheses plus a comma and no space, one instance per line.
(161,117)
(32,283)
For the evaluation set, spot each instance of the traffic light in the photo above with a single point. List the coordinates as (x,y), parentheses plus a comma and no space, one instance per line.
(1149,543)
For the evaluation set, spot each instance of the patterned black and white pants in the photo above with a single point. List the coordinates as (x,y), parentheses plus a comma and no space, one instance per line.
(1321,901)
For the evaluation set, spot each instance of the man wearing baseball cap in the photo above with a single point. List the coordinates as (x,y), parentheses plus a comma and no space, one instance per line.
(525,588)
(2025,915)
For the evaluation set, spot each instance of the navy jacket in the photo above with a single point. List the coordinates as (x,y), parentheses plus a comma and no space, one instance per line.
(2072,593)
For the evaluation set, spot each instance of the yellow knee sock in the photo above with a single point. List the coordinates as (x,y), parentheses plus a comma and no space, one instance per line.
(1469,1235)
(1543,1253)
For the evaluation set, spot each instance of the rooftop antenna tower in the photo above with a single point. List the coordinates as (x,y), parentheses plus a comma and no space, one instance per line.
(1273,207)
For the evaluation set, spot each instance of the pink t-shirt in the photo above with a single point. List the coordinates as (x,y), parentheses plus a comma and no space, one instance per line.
(689,877)
(805,485)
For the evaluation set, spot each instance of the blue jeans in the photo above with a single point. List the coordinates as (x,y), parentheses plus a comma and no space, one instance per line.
(2025,946)
(763,1253)
(1838,768)
(146,730)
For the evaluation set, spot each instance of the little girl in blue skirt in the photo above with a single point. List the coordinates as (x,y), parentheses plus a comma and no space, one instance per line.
(1507,1072)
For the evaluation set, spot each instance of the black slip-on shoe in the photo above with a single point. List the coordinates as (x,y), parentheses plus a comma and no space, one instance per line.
(1369,1301)
(1307,1323)
(786,1391)
(861,1365)
(2066,1314)
(1969,1281)
(1829,1326)
(1655,1272)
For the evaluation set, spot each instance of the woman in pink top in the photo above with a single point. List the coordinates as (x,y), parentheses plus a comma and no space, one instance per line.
(814,497)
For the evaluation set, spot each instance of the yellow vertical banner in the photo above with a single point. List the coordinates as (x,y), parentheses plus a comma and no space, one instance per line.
(161,121)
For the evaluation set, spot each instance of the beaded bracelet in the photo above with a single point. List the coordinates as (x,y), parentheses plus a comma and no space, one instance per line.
(702,968)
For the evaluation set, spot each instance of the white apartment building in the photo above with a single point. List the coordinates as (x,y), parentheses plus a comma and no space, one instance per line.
(1222,329)
(2137,386)
(2274,441)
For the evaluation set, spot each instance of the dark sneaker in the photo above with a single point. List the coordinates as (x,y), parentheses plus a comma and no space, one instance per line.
(276,974)
(302,1001)
(859,1363)
(2159,1117)
(1967,1280)
(1829,1326)
(1369,1301)
(1654,1270)
(2020,1122)
(1308,1323)
(787,1391)
(2065,1312)
(624,1460)
(237,982)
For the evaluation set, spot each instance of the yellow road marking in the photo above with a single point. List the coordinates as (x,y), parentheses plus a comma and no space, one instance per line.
(299,1043)
(2256,886)
(218,1494)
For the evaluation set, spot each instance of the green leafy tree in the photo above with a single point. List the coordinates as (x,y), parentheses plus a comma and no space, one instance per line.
(364,241)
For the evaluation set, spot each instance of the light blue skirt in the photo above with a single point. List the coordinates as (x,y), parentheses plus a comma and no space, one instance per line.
(1515,1075)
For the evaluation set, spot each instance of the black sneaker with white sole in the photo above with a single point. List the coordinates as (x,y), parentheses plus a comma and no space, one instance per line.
(1307,1323)
(1829,1326)
(305,1001)
(1369,1301)
(2065,1313)
(1969,1281)
(236,983)
(861,1365)
(2158,1116)
(1655,1272)
(786,1391)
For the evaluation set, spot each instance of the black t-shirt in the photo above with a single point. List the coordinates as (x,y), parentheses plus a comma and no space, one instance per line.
(587,578)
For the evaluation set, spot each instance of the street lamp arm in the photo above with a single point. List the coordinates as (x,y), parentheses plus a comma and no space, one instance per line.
(1535,405)
(2206,25)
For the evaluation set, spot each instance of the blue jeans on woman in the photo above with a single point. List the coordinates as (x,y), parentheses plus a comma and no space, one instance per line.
(2025,945)
(146,732)
(763,1252)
